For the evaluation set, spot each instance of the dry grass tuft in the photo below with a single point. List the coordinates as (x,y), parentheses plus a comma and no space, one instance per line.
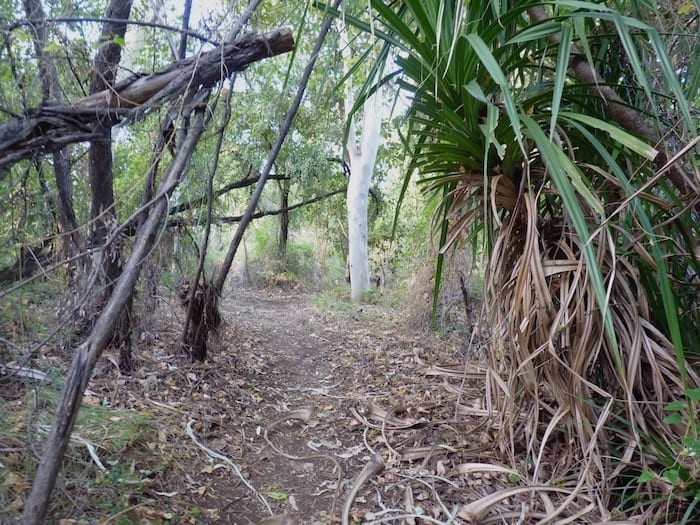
(455,310)
(556,381)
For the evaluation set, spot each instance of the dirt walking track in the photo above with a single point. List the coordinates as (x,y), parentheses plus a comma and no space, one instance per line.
(296,401)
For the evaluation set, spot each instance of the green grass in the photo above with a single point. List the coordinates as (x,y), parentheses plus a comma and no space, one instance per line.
(23,312)
(125,442)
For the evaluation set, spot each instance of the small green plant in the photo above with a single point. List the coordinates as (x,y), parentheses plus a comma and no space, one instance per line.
(370,297)
(334,300)
(679,463)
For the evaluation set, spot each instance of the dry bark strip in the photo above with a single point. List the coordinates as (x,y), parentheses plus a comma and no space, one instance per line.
(49,127)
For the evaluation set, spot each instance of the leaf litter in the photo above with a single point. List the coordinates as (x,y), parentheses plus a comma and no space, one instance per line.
(306,416)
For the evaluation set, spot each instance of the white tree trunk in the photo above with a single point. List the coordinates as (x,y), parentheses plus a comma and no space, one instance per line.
(362,154)
(362,159)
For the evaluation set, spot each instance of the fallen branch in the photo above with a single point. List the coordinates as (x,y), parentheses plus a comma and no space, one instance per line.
(92,452)
(12,369)
(213,454)
(49,127)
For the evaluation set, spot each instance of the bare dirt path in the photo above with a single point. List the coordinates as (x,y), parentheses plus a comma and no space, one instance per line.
(366,381)
(293,403)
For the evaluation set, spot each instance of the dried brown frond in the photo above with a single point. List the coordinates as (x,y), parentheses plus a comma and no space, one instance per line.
(557,383)
(466,198)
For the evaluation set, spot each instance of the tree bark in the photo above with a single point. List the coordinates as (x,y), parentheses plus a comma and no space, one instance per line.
(103,210)
(51,92)
(362,155)
(284,219)
(182,48)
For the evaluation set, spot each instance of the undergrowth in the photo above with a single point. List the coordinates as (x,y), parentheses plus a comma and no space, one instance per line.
(114,456)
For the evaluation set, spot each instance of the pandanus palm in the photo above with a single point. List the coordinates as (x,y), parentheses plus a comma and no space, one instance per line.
(536,127)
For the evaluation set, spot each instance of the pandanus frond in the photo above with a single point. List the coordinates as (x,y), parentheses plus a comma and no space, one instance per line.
(544,130)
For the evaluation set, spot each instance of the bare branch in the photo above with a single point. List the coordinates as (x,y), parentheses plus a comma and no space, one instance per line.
(69,20)
(243,183)
(260,214)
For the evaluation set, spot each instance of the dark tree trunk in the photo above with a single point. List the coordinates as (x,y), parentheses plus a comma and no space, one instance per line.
(182,48)
(103,212)
(67,225)
(67,222)
(284,186)
(202,306)
(86,354)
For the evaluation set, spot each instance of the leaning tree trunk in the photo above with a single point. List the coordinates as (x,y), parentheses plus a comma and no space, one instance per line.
(86,354)
(21,134)
(202,298)
(272,156)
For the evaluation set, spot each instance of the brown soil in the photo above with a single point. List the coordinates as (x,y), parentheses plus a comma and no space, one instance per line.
(279,354)
(239,448)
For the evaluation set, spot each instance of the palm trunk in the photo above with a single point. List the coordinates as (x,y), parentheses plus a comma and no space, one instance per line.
(628,117)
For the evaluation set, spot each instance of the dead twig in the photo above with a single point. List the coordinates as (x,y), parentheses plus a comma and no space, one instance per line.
(374,467)
(211,453)
(384,418)
(304,415)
